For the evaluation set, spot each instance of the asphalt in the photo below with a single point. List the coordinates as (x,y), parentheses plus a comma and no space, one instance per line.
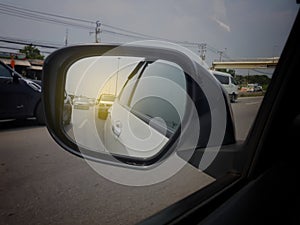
(43,184)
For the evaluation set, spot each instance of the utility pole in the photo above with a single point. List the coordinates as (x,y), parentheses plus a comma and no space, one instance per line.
(221,54)
(202,50)
(97,32)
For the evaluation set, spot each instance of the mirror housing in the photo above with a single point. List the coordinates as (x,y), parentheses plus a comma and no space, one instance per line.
(210,103)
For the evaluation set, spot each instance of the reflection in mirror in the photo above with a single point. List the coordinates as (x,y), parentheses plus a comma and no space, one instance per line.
(125,106)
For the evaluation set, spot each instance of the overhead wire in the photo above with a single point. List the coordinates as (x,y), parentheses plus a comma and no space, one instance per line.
(87,25)
(44,13)
(29,42)
(40,16)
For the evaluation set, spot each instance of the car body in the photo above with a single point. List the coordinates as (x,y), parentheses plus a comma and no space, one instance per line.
(104,103)
(228,83)
(20,98)
(142,112)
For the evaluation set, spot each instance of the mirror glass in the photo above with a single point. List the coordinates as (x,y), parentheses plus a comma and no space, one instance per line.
(125,106)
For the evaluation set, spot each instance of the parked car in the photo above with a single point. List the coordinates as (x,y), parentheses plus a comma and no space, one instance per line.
(20,98)
(104,103)
(228,83)
(254,88)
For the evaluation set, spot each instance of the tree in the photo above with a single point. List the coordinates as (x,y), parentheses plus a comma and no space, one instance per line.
(31,52)
(263,80)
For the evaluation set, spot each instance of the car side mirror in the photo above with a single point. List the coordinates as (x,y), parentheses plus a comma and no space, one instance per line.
(160,100)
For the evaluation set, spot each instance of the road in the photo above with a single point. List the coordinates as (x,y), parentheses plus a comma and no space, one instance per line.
(42,184)
(244,112)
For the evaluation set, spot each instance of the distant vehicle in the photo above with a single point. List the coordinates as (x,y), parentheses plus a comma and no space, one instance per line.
(260,88)
(228,83)
(67,109)
(20,98)
(254,88)
(81,103)
(104,103)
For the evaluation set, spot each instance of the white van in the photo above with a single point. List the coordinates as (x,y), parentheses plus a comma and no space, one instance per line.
(228,83)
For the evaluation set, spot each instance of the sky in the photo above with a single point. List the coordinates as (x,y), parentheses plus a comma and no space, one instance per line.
(238,28)
(94,76)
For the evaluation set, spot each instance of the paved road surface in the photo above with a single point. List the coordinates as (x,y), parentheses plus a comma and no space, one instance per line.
(244,112)
(42,184)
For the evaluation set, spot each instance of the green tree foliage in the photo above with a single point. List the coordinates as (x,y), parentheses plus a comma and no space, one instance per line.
(262,80)
(31,52)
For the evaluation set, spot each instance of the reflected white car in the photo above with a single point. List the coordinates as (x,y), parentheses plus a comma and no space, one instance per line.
(147,112)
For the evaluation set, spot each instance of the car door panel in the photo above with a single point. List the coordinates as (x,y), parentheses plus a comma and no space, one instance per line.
(14,101)
(127,134)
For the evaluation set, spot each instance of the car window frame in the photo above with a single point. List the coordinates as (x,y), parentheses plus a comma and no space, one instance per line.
(7,69)
(135,74)
(166,131)
(220,79)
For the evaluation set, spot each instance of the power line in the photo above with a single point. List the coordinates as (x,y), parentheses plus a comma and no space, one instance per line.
(44,16)
(130,32)
(32,41)
(87,25)
(45,13)
(28,43)
(11,8)
(43,19)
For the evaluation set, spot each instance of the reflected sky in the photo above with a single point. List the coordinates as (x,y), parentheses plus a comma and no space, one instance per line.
(90,77)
